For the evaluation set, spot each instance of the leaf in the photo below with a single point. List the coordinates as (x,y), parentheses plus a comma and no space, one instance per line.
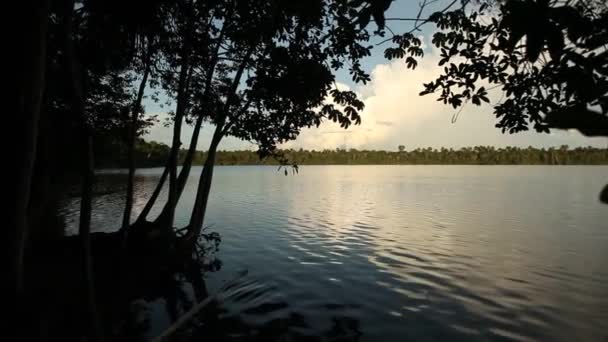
(438,39)
(392,53)
(568,17)
(534,45)
(520,18)
(588,122)
(555,42)
(411,62)
(378,14)
(517,33)
(386,4)
(364,17)
(604,195)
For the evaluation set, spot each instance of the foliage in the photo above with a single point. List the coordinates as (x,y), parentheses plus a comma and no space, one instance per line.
(109,47)
(153,154)
(275,66)
(261,70)
(478,155)
(548,58)
(111,153)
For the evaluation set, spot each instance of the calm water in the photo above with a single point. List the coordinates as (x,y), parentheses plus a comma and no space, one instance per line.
(396,253)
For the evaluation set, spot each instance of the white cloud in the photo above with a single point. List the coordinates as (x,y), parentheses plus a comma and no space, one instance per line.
(395,115)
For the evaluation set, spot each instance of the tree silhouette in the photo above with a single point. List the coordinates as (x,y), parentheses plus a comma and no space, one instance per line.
(266,76)
(261,71)
(258,70)
(546,58)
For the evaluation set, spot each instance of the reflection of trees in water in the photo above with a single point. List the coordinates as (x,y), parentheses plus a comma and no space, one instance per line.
(127,280)
(214,325)
(134,289)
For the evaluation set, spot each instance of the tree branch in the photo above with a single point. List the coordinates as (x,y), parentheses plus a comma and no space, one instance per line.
(419,22)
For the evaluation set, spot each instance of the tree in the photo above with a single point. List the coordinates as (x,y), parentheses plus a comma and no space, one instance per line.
(261,71)
(401,148)
(547,58)
(266,75)
(88,63)
(197,83)
(30,86)
(146,64)
(86,51)
(281,77)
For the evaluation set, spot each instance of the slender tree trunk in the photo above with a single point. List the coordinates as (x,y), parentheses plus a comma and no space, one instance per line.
(184,172)
(177,129)
(31,80)
(154,196)
(84,229)
(181,180)
(42,194)
(180,112)
(194,274)
(126,219)
(204,188)
(172,201)
(187,165)
(159,186)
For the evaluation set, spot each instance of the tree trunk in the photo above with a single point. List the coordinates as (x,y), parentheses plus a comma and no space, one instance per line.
(169,209)
(31,80)
(148,207)
(84,228)
(204,188)
(184,172)
(126,219)
(181,180)
(187,165)
(176,143)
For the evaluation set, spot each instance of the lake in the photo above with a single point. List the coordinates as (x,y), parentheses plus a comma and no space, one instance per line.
(398,253)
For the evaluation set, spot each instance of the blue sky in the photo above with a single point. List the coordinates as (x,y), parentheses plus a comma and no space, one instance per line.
(395,114)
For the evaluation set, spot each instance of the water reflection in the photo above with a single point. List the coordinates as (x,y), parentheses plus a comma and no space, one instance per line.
(404,253)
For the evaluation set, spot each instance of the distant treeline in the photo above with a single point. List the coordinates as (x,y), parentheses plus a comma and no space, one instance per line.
(153,154)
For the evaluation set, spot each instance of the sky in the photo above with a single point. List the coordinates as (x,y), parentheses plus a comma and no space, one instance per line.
(394,113)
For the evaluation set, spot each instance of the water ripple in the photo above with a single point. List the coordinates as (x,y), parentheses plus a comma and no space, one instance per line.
(404,253)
